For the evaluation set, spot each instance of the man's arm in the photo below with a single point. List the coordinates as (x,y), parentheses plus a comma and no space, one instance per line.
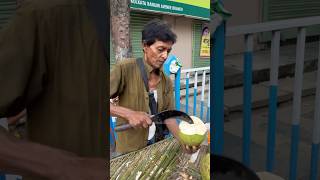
(18,61)
(135,118)
(173,125)
(31,159)
(14,119)
(174,129)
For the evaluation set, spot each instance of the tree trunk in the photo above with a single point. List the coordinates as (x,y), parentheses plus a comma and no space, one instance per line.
(120,20)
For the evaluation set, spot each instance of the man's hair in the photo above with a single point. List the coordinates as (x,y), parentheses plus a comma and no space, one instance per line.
(157,29)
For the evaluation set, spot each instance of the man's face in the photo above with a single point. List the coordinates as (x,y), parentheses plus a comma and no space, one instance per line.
(157,53)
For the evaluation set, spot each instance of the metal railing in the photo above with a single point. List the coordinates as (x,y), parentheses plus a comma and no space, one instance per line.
(196,74)
(275,27)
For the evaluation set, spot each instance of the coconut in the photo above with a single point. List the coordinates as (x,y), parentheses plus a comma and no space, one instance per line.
(192,134)
(205,167)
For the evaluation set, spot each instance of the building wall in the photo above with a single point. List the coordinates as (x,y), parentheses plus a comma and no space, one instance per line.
(183,48)
(249,13)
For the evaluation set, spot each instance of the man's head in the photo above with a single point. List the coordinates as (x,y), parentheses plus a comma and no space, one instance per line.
(157,41)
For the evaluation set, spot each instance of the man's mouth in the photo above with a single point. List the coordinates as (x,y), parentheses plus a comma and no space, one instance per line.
(159,62)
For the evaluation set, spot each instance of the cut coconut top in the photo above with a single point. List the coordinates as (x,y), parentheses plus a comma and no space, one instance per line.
(190,129)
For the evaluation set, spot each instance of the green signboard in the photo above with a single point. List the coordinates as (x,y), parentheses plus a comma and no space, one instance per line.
(199,9)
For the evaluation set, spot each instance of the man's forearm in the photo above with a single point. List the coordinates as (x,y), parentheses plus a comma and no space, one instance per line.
(14,119)
(119,111)
(173,127)
(30,159)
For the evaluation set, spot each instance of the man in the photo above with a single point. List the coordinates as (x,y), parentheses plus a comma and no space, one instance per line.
(52,63)
(126,83)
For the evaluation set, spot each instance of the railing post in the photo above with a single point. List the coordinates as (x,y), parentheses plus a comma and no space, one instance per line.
(316,128)
(202,93)
(195,87)
(275,46)
(247,93)
(187,92)
(111,133)
(217,86)
(177,88)
(2,176)
(296,111)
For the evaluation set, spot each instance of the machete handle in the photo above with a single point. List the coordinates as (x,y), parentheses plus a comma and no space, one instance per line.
(122,127)
(125,126)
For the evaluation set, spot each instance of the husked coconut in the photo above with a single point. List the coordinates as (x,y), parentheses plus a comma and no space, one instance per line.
(192,134)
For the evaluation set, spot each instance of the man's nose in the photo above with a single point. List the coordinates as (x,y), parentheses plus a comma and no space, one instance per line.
(164,55)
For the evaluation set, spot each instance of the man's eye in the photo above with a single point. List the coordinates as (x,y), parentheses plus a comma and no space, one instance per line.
(160,50)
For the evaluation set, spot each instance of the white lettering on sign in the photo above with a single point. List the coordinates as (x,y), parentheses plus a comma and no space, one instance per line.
(138,2)
(152,4)
(163,6)
(156,5)
(177,8)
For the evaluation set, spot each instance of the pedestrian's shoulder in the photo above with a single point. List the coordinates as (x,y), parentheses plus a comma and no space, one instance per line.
(127,63)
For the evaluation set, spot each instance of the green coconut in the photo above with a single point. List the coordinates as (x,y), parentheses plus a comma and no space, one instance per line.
(205,167)
(192,134)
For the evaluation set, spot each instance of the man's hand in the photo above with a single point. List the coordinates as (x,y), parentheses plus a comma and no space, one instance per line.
(190,149)
(174,129)
(138,119)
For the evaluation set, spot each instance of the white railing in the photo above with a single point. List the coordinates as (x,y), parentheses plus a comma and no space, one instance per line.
(194,77)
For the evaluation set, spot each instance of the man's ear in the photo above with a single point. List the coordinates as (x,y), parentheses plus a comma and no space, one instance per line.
(144,46)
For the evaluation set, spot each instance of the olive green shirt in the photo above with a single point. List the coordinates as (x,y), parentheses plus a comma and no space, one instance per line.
(126,83)
(52,63)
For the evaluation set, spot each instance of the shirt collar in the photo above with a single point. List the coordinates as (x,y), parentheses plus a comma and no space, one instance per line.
(149,69)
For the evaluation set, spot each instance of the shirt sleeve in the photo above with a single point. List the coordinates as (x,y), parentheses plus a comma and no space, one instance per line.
(116,80)
(17,42)
(170,97)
